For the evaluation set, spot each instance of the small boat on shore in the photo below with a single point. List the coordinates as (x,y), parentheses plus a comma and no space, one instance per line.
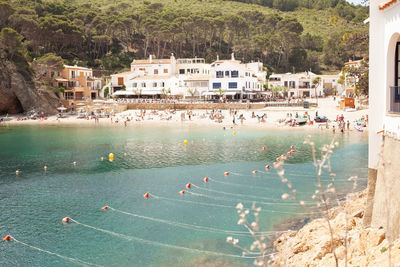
(301,121)
(358,128)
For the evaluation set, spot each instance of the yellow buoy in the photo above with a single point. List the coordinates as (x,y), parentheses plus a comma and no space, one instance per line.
(185,142)
(111,157)
(234,132)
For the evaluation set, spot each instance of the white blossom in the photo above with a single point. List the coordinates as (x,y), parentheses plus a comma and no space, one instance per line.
(239,206)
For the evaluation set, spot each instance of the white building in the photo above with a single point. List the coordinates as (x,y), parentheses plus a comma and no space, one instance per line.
(193,75)
(301,84)
(188,77)
(384,76)
(235,79)
(382,209)
(146,77)
(349,82)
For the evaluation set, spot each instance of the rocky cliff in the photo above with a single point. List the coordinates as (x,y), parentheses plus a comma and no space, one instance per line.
(311,245)
(19,94)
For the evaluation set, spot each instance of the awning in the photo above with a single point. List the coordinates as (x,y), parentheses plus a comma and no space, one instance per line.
(151,92)
(209,93)
(61,80)
(117,93)
(231,93)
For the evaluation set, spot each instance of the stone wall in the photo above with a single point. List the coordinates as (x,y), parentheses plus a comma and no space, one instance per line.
(188,106)
(386,200)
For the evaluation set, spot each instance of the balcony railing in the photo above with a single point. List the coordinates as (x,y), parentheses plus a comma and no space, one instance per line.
(306,86)
(394,104)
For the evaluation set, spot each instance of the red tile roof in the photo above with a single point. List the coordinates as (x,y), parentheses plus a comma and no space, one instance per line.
(386,4)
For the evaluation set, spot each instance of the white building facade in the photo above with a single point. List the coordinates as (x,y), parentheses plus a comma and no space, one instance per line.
(188,77)
(384,76)
(301,84)
(235,79)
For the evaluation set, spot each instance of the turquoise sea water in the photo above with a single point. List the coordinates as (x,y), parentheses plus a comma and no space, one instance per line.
(155,160)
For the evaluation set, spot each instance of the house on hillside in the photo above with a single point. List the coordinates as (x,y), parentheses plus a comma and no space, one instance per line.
(384,118)
(349,82)
(78,82)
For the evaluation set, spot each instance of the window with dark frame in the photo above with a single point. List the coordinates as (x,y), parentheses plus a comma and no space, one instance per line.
(232,85)
(216,85)
(397,73)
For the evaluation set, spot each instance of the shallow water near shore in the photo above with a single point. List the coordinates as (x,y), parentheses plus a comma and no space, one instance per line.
(155,160)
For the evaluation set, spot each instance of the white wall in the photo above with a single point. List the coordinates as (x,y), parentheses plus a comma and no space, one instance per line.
(384,24)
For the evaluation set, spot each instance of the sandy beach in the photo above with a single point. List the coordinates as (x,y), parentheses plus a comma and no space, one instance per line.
(269,117)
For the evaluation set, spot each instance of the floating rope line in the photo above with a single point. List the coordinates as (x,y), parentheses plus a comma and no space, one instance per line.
(77,261)
(246,200)
(156,243)
(233,184)
(190,226)
(229,207)
(238,174)
(231,194)
(248,186)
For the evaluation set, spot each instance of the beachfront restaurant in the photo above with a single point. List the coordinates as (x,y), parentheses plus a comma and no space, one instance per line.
(230,95)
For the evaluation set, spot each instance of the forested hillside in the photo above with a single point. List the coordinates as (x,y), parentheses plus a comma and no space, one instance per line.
(107,34)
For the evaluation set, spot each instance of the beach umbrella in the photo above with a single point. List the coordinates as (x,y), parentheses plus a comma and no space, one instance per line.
(62,109)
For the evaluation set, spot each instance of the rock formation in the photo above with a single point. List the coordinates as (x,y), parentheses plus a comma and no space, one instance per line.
(19,94)
(311,245)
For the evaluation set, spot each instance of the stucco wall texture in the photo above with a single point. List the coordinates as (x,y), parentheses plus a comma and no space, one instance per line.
(386,203)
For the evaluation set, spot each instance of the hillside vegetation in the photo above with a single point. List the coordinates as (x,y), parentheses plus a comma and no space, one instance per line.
(107,34)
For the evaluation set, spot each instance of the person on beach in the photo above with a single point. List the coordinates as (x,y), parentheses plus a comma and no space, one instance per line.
(333,129)
(348,125)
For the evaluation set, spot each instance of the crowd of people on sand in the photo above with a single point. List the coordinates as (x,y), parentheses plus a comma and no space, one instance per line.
(227,117)
(323,122)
